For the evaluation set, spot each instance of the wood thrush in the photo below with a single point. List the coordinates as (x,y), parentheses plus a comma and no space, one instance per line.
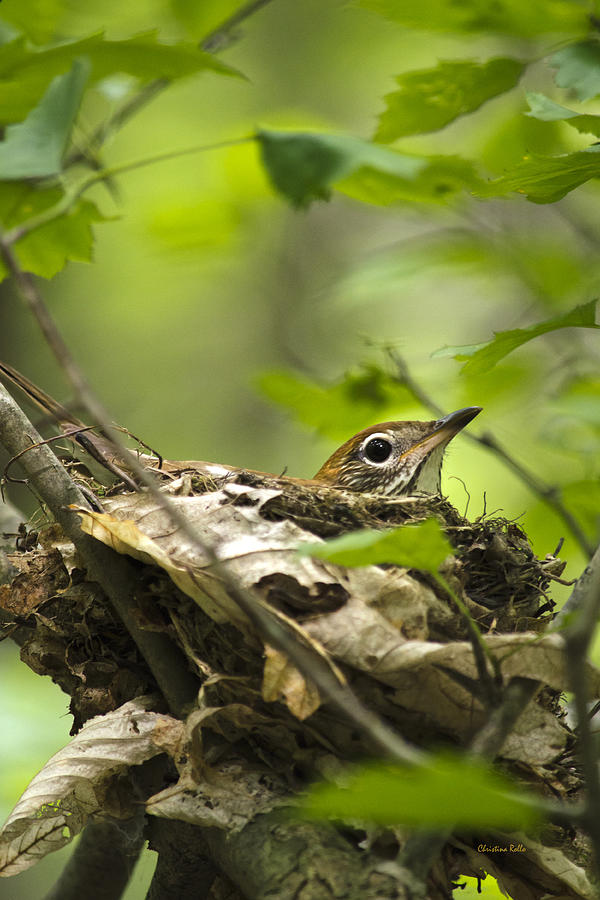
(395,458)
(391,458)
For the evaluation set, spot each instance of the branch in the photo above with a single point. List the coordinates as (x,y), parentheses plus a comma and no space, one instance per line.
(579,618)
(224,35)
(550,494)
(219,39)
(70,197)
(271,629)
(104,131)
(481,652)
(116,575)
(185,869)
(102,862)
(421,850)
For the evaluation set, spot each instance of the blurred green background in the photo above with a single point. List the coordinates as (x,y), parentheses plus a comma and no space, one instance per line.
(203,280)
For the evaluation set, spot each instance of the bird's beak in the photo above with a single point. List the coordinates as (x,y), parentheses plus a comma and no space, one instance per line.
(445,429)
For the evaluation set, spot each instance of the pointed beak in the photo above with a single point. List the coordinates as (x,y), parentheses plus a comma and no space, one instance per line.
(446,428)
(456,421)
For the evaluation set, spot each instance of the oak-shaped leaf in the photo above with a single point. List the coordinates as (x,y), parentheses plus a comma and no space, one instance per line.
(429,99)
(46,250)
(26,71)
(546,110)
(480,358)
(545,179)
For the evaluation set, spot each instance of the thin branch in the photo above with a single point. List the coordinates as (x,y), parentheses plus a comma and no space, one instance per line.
(224,35)
(102,862)
(310,663)
(422,849)
(70,197)
(116,575)
(219,39)
(481,652)
(579,618)
(550,494)
(119,118)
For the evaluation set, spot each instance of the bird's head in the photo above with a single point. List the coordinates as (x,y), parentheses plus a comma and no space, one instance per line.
(395,458)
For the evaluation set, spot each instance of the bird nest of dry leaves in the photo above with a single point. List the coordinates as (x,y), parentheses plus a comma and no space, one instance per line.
(260,731)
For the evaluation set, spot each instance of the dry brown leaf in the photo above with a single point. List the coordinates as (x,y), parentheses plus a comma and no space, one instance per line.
(418,670)
(254,548)
(231,795)
(281,679)
(59,800)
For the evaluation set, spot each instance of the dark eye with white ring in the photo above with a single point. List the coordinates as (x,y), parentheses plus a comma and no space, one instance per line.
(377,450)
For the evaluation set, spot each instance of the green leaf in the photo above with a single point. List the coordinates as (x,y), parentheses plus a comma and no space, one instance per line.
(506,17)
(305,166)
(431,98)
(438,181)
(46,251)
(35,148)
(482,357)
(423,546)
(38,19)
(342,409)
(541,107)
(578,68)
(448,791)
(26,71)
(545,179)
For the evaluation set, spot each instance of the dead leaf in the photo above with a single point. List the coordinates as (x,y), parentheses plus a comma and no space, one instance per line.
(281,679)
(229,797)
(70,787)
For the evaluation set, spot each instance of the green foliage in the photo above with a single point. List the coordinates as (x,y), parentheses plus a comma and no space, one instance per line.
(429,99)
(437,263)
(578,68)
(546,110)
(546,179)
(469,888)
(305,166)
(423,546)
(35,148)
(364,396)
(449,791)
(482,357)
(38,19)
(25,71)
(505,16)
(46,251)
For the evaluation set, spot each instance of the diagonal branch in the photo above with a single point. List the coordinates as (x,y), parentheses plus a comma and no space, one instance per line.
(579,618)
(549,493)
(225,34)
(310,663)
(115,574)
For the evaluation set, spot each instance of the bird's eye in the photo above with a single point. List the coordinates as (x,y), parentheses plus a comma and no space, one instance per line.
(377,450)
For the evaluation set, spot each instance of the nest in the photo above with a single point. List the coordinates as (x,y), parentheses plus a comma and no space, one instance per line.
(394,634)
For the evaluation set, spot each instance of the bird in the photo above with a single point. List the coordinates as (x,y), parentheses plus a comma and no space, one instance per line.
(390,459)
(395,458)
